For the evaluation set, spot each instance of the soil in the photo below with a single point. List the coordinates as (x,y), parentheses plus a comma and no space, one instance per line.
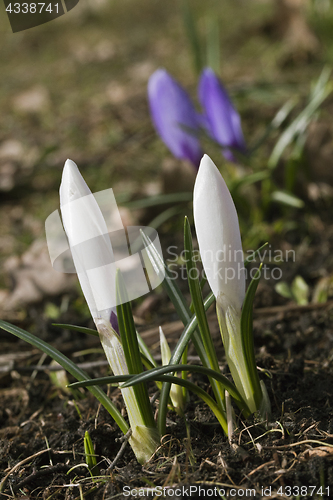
(42,427)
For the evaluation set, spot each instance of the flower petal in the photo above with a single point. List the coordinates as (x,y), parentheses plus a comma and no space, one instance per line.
(217,228)
(223,120)
(174,116)
(86,231)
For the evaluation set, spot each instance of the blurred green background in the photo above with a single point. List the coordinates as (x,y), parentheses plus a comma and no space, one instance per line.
(76,88)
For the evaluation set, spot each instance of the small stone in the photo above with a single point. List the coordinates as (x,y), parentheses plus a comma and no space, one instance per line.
(11,150)
(34,100)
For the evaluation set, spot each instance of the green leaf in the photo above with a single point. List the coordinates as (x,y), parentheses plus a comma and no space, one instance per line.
(300,291)
(169,380)
(277,121)
(68,365)
(196,295)
(165,215)
(195,290)
(213,41)
(146,357)
(110,379)
(320,92)
(203,282)
(188,331)
(283,289)
(226,384)
(202,394)
(247,180)
(323,290)
(183,311)
(90,455)
(252,257)
(80,329)
(130,344)
(161,199)
(192,34)
(287,199)
(150,375)
(247,337)
(175,359)
(175,295)
(283,112)
(169,283)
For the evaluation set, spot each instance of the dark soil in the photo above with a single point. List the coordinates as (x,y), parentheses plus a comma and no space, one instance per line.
(295,346)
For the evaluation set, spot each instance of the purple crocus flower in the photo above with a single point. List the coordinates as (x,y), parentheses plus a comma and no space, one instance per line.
(221,119)
(174,117)
(114,321)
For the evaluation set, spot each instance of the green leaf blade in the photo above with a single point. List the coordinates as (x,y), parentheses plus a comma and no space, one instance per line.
(68,365)
(247,337)
(130,344)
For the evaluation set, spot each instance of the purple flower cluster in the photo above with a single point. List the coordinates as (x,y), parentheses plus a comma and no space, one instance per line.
(178,123)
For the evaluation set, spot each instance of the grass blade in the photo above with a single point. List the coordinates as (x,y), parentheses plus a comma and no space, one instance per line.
(160,199)
(195,290)
(130,344)
(164,216)
(68,365)
(167,379)
(213,41)
(190,331)
(192,35)
(81,329)
(287,199)
(169,284)
(132,380)
(277,121)
(247,337)
(227,385)
(320,92)
(146,354)
(251,258)
(90,455)
(175,359)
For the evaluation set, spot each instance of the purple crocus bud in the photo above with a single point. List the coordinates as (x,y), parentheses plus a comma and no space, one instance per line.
(174,117)
(114,321)
(221,119)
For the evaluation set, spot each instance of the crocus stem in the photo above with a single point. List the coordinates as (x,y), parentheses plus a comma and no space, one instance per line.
(230,327)
(144,440)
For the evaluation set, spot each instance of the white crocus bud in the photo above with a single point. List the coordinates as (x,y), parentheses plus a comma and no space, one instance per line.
(217,228)
(90,247)
(176,391)
(87,233)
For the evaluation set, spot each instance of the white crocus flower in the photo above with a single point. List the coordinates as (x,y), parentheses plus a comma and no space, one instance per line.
(217,229)
(90,246)
(176,391)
